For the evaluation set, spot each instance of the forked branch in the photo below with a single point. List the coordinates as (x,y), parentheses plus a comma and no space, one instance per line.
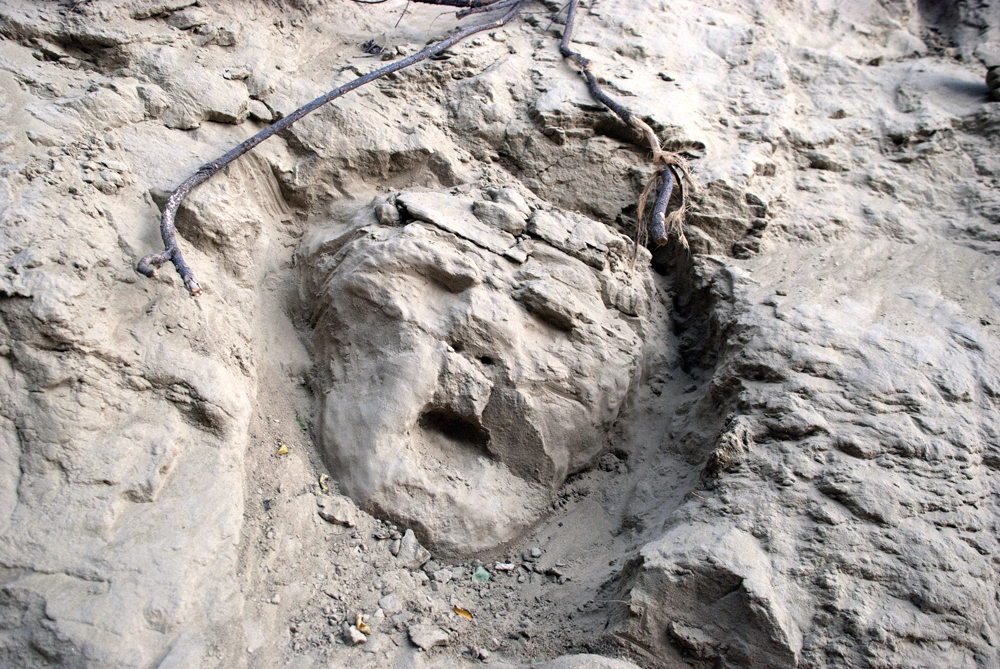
(148,266)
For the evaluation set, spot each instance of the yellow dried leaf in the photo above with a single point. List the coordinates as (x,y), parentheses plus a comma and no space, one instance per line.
(462,612)
(323,478)
(360,624)
(282,449)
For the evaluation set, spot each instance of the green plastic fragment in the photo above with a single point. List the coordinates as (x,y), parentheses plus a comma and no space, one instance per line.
(480,575)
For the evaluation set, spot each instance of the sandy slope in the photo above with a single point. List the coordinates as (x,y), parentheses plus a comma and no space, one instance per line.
(779,451)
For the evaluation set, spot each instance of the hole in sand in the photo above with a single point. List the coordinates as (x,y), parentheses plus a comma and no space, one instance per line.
(455,428)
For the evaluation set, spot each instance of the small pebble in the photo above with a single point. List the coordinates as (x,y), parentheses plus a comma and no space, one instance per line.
(354,637)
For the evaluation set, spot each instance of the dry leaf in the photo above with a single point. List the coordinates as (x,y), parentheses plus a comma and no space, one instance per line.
(282,450)
(462,612)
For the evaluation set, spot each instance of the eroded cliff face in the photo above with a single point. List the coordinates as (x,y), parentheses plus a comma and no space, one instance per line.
(779,450)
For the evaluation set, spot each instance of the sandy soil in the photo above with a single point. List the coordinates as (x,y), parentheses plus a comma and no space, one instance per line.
(800,468)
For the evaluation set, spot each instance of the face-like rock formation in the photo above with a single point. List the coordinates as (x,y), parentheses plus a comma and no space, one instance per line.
(466,371)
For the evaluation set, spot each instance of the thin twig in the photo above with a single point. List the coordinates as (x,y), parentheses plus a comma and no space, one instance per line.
(402,14)
(556,16)
(492,6)
(172,253)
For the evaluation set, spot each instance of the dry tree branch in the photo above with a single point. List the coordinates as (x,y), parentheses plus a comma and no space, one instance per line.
(671,168)
(493,5)
(172,253)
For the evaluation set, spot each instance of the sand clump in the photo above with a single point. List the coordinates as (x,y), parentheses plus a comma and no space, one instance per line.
(461,388)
